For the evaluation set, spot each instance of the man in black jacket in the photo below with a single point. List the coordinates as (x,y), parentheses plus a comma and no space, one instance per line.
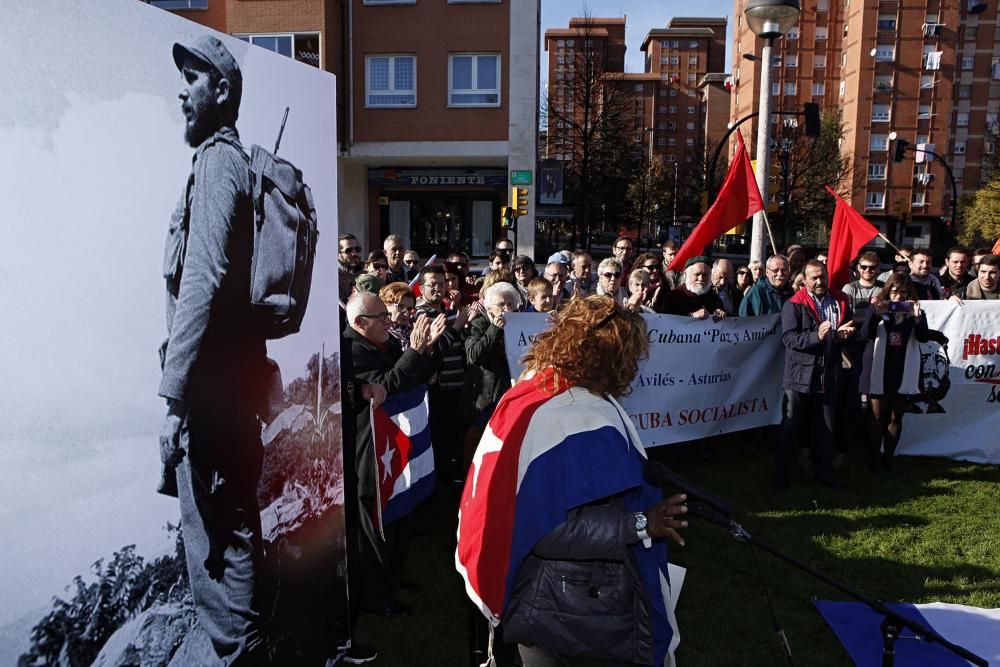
(378,359)
(814,322)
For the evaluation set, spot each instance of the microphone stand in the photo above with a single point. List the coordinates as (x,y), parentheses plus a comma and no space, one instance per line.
(892,623)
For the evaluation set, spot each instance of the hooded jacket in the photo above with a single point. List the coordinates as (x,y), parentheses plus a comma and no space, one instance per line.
(811,364)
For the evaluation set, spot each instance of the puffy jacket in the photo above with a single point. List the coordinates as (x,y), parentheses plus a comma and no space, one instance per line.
(579,592)
(811,364)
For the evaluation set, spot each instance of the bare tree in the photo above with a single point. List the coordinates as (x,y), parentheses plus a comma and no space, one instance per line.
(588,119)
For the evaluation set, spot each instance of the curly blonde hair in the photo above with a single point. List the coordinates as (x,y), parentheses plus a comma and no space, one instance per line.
(593,343)
(394,293)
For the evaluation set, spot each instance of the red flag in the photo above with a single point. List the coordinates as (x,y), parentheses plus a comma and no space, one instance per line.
(996,247)
(738,199)
(849,235)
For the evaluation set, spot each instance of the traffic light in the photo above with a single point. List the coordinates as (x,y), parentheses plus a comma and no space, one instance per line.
(507,217)
(812,119)
(901,145)
(519,199)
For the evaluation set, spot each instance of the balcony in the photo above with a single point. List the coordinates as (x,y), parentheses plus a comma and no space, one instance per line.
(932,29)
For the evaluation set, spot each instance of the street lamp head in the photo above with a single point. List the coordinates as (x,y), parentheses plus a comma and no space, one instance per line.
(892,136)
(771,19)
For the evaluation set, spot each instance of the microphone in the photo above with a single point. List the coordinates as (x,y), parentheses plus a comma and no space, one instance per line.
(661,475)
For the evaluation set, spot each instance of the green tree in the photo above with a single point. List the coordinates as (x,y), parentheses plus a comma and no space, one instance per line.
(648,194)
(980,222)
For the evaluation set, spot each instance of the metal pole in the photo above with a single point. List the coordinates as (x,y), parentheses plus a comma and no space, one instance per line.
(757,241)
(675,194)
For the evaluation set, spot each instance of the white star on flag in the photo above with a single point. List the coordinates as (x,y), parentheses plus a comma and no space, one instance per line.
(387,461)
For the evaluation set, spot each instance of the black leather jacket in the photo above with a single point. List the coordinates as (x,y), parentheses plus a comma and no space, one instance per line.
(579,592)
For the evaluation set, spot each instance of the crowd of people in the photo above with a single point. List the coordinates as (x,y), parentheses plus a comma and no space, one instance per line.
(851,356)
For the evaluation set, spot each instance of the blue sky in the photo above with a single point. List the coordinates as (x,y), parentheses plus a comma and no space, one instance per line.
(641,15)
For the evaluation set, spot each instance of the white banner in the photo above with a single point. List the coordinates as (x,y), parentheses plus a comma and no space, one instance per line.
(702,378)
(960,380)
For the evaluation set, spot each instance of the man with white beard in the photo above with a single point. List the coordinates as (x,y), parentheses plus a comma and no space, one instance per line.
(695,297)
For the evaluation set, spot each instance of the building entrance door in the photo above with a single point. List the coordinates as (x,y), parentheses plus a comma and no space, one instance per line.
(482,228)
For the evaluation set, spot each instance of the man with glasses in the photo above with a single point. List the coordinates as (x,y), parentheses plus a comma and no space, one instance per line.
(769,295)
(349,263)
(379,359)
(411,260)
(956,274)
(445,388)
(866,288)
(622,250)
(724,284)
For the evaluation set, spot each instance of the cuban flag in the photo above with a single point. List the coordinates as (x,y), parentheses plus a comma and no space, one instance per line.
(541,456)
(404,460)
(858,629)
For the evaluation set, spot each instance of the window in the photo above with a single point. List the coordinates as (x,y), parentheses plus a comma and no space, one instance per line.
(920,198)
(390,2)
(672,141)
(301,47)
(671,158)
(673,92)
(662,125)
(879,142)
(675,44)
(876,172)
(690,126)
(792,61)
(693,44)
(689,141)
(927,81)
(821,32)
(959,148)
(964,91)
(971,32)
(819,62)
(962,120)
(843,88)
(693,60)
(570,43)
(775,88)
(560,43)
(886,23)
(691,109)
(885,53)
(932,58)
(661,110)
(671,126)
(968,62)
(776,61)
(823,6)
(924,112)
(662,141)
(883,82)
(391,81)
(995,69)
(692,78)
(843,60)
(791,87)
(672,109)
(880,113)
(819,89)
(474,80)
(664,60)
(663,92)
(875,200)
(793,33)
(675,60)
(180,4)
(639,88)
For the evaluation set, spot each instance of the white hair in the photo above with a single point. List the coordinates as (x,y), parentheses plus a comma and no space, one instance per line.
(503,290)
(609,263)
(687,283)
(359,304)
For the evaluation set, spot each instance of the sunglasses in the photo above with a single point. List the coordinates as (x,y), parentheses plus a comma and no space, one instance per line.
(743,273)
(380,267)
(352,249)
(867,267)
(616,274)
(651,267)
(622,247)
(411,261)
(381,317)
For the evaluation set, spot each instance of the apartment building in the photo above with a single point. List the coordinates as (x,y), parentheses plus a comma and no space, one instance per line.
(678,105)
(437,105)
(928,72)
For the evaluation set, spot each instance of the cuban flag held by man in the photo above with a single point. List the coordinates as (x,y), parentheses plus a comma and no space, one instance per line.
(404,460)
(542,455)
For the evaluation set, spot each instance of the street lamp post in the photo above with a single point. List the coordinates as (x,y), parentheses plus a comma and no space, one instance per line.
(769,20)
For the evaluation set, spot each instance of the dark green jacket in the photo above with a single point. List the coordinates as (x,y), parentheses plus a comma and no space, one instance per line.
(485,355)
(763,299)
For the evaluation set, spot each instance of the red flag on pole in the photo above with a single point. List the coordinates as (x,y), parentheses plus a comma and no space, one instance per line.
(738,199)
(996,247)
(849,235)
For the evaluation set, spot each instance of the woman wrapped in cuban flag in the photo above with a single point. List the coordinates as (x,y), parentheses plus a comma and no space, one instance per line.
(560,538)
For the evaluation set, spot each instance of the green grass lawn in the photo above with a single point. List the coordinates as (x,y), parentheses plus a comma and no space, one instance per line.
(928,532)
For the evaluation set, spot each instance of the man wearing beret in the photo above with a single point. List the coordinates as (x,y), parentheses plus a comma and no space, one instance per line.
(213,361)
(695,298)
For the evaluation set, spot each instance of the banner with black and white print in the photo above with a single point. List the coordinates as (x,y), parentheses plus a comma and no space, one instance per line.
(959,404)
(702,378)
